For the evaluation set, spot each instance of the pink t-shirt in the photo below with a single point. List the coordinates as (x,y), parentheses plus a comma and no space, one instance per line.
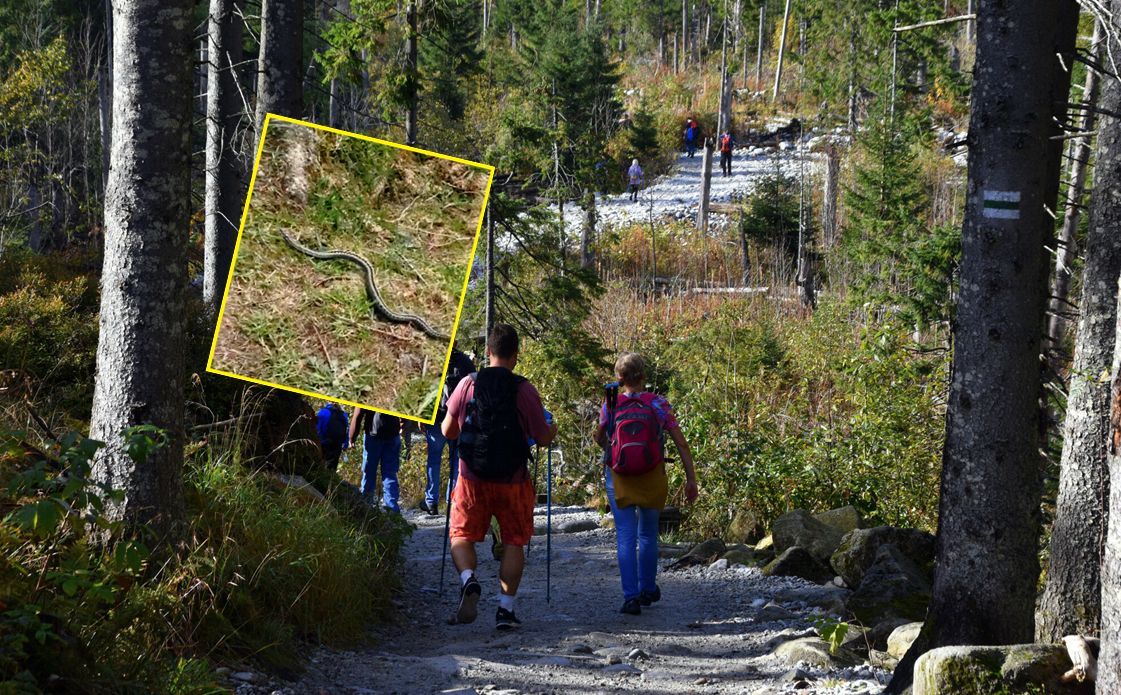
(531,416)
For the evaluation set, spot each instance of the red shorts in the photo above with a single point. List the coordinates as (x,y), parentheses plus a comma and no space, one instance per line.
(474,502)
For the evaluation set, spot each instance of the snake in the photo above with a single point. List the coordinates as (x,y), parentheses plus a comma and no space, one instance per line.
(378,308)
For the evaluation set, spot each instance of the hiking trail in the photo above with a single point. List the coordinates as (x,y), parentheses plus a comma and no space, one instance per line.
(712,632)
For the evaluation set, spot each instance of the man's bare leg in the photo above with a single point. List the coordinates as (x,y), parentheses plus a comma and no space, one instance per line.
(510,571)
(463,555)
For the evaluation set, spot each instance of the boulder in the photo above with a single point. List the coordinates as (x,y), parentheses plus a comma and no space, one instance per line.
(798,562)
(767,542)
(740,555)
(893,587)
(800,528)
(844,518)
(813,651)
(703,553)
(857,550)
(983,670)
(901,638)
(882,630)
(745,527)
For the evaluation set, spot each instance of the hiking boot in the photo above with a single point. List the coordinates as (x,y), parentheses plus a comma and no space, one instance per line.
(433,510)
(506,620)
(468,603)
(631,607)
(649,597)
(424,507)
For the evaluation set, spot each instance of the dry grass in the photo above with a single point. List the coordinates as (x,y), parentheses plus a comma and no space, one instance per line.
(306,324)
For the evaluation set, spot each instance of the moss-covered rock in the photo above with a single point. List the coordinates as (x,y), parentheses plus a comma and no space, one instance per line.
(844,518)
(1003,670)
(815,652)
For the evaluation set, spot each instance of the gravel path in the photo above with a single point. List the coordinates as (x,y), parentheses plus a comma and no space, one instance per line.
(711,633)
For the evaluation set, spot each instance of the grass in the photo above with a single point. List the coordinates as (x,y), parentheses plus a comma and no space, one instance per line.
(292,320)
(261,569)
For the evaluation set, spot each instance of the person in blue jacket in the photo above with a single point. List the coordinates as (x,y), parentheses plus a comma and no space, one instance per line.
(332,426)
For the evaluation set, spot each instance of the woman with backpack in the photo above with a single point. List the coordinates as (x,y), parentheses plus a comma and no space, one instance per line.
(633,429)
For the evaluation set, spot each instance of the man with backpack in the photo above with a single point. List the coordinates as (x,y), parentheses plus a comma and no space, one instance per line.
(632,427)
(726,142)
(459,366)
(493,413)
(691,135)
(381,447)
(331,424)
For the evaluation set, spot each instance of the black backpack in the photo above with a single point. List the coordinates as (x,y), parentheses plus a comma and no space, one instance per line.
(379,425)
(491,441)
(336,433)
(459,367)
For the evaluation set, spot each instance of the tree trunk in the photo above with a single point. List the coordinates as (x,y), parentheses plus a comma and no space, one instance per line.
(280,77)
(988,531)
(489,310)
(1109,660)
(139,377)
(759,48)
(1071,600)
(829,196)
(781,51)
(1066,249)
(589,230)
(225,195)
(410,76)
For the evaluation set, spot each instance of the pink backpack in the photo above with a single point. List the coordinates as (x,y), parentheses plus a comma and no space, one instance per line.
(636,442)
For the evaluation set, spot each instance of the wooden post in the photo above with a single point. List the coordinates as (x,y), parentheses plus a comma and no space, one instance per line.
(489,316)
(829,196)
(702,210)
(759,48)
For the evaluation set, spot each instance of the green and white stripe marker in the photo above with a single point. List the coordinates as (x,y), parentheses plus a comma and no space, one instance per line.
(1002,205)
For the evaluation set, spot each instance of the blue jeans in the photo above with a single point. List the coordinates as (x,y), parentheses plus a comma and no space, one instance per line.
(636,542)
(387,454)
(436,440)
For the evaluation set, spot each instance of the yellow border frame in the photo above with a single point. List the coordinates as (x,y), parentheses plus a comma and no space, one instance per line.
(237,247)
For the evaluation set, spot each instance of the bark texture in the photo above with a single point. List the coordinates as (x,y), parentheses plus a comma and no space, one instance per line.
(225,192)
(280,87)
(1071,601)
(1109,659)
(987,561)
(139,377)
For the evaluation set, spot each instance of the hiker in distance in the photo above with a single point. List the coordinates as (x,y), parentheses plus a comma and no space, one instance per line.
(493,413)
(632,427)
(634,179)
(459,366)
(381,447)
(332,426)
(726,142)
(692,131)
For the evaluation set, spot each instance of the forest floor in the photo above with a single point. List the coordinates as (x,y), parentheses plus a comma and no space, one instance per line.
(712,632)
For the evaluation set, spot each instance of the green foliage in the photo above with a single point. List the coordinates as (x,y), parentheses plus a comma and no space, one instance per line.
(48,330)
(898,260)
(771,214)
(643,135)
(262,568)
(783,413)
(832,631)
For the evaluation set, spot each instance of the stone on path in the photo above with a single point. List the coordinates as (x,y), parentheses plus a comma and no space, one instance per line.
(813,651)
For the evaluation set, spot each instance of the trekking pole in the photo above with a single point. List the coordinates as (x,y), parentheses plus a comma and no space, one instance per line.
(447,524)
(549,525)
(536,467)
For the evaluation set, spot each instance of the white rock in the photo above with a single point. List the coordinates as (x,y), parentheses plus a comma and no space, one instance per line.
(719,565)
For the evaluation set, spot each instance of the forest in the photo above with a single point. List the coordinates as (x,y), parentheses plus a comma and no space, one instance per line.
(889,331)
